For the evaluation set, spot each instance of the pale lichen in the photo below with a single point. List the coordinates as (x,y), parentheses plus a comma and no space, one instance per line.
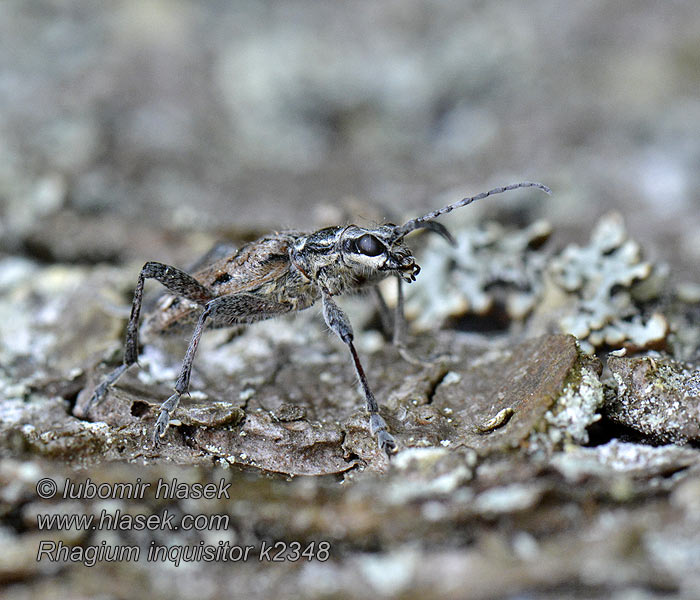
(659,398)
(595,295)
(430,472)
(594,292)
(573,412)
(617,457)
(489,263)
(512,498)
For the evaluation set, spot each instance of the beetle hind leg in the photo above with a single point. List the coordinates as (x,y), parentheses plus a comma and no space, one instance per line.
(173,279)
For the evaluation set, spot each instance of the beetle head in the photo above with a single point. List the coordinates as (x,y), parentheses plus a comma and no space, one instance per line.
(379,249)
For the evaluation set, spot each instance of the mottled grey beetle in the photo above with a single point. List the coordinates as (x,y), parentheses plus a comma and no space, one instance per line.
(281,273)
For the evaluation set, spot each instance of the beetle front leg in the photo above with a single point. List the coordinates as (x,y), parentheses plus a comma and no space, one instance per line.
(337,320)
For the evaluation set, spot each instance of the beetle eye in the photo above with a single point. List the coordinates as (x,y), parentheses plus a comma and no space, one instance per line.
(370,245)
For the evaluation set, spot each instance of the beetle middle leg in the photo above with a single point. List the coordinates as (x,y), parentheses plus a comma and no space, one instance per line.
(386,317)
(225,310)
(399,337)
(173,279)
(337,320)
(394,324)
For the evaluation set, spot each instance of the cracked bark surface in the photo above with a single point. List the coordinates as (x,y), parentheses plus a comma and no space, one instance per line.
(308,418)
(492,489)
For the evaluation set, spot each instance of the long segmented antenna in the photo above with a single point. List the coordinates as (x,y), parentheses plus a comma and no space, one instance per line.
(420,222)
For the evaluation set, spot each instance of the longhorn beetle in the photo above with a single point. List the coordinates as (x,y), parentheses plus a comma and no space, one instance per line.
(281,273)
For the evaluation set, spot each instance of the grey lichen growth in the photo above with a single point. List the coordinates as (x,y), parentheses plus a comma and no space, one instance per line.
(507,499)
(658,398)
(592,292)
(617,457)
(575,410)
(595,287)
(489,262)
(430,472)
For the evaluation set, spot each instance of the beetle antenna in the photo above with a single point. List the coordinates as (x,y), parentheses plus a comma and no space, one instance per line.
(421,222)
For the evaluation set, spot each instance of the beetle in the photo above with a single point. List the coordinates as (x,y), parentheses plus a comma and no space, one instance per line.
(282,273)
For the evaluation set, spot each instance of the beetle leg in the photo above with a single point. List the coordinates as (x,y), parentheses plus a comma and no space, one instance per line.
(399,316)
(399,339)
(385,316)
(230,310)
(183,381)
(173,279)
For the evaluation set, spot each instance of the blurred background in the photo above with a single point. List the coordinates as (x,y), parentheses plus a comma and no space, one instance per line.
(127,126)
